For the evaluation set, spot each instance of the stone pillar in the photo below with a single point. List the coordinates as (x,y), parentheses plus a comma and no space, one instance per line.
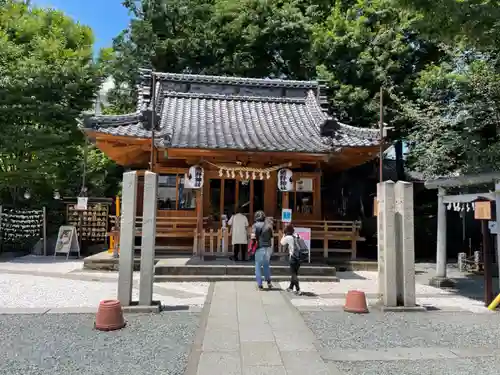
(405,244)
(440,279)
(127,238)
(441,236)
(387,244)
(497,209)
(148,239)
(380,241)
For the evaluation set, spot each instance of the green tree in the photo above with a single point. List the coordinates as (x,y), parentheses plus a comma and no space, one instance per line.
(456,118)
(47,79)
(252,38)
(365,46)
(470,22)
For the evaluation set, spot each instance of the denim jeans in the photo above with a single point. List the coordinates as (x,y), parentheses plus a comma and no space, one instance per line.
(262,260)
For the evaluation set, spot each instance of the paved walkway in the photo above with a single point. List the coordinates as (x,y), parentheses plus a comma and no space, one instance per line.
(255,332)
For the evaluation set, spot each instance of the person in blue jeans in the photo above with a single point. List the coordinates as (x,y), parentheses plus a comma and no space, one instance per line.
(262,232)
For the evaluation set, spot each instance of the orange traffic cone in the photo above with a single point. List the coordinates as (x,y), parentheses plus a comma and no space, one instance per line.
(355,302)
(109,316)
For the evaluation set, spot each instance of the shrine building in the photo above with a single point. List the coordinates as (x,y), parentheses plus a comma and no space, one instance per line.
(240,134)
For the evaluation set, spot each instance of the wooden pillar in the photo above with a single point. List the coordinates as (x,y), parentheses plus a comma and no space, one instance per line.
(199,222)
(206,197)
(286,200)
(317,198)
(252,193)
(222,195)
(270,193)
(236,195)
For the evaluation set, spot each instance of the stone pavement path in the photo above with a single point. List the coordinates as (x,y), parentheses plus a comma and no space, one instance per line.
(255,332)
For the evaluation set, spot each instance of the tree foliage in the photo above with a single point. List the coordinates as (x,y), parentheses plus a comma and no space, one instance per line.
(443,102)
(456,119)
(47,79)
(473,23)
(365,45)
(356,45)
(252,38)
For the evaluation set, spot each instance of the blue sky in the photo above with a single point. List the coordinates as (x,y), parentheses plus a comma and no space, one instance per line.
(106,17)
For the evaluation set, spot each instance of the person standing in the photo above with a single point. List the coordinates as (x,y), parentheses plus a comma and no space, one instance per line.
(239,234)
(289,240)
(262,234)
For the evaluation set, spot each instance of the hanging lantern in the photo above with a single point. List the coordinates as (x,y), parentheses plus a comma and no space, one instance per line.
(285,182)
(195,177)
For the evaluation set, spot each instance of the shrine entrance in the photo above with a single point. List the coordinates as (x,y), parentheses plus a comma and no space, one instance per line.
(226,195)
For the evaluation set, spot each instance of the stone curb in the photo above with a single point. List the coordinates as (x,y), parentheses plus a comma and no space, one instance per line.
(93,310)
(215,278)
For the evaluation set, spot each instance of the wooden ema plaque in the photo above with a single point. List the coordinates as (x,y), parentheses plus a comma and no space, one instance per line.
(482,210)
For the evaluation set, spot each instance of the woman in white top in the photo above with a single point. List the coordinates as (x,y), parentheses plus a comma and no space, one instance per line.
(239,234)
(288,241)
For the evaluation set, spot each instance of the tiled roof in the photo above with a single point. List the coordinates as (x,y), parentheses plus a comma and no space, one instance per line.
(291,122)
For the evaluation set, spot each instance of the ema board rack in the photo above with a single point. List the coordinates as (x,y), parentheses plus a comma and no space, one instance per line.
(92,223)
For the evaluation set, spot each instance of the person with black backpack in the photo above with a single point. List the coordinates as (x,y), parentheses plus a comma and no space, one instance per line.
(298,253)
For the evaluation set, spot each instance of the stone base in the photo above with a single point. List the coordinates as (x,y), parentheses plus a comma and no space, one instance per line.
(403,308)
(136,308)
(441,282)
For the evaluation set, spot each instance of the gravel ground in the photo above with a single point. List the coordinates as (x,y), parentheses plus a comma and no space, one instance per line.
(339,330)
(68,345)
(466,366)
(20,291)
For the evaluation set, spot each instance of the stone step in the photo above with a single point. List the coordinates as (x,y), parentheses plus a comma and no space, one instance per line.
(164,268)
(213,278)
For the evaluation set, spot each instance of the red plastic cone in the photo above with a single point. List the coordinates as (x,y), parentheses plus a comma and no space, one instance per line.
(109,316)
(355,302)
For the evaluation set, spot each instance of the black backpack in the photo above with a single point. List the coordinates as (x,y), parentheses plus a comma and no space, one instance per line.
(300,249)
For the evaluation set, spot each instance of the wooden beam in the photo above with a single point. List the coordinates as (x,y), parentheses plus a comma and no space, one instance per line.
(249,155)
(117,138)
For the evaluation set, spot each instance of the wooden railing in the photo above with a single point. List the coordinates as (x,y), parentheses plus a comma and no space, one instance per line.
(327,231)
(345,235)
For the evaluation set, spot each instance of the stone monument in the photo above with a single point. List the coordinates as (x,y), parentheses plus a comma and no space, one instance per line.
(127,243)
(396,246)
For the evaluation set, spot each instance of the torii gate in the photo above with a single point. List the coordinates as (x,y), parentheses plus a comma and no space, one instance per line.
(442,184)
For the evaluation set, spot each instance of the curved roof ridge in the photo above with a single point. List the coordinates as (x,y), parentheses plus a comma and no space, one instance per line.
(230,80)
(235,97)
(359,131)
(112,120)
